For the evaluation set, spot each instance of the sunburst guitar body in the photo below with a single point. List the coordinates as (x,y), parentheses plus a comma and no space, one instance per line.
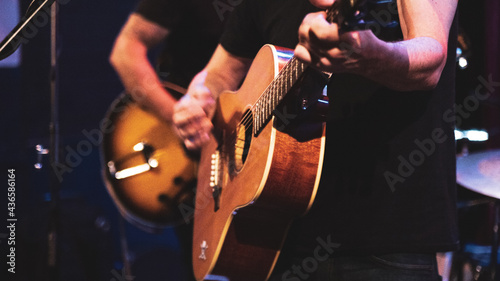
(148,173)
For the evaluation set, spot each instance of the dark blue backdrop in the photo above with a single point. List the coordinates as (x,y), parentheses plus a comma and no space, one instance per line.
(89,239)
(89,236)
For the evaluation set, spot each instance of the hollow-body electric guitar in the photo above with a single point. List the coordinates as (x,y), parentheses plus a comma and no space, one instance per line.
(149,175)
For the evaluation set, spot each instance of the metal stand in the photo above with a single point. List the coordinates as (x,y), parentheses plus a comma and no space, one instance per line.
(8,46)
(494,245)
(53,253)
(127,267)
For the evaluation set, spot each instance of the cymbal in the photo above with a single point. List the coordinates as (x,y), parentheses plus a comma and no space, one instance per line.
(480,172)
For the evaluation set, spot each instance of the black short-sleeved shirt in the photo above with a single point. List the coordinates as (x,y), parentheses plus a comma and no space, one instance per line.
(388,182)
(195,27)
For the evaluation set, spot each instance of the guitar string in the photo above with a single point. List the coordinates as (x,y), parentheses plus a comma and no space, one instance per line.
(270,92)
(293,63)
(280,84)
(332,15)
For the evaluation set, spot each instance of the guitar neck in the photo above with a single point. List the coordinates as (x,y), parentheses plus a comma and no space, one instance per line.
(275,92)
(347,14)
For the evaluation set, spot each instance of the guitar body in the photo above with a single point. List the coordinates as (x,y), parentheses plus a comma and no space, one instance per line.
(264,181)
(147,172)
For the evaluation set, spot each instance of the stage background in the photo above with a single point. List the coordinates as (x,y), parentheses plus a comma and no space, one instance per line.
(90,224)
(89,237)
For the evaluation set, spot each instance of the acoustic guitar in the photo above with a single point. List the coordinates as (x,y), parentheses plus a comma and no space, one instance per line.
(262,166)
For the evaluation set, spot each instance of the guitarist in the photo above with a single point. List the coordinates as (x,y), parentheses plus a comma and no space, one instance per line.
(386,202)
(179,36)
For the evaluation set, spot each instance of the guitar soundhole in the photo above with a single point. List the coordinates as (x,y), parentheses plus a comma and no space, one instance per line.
(243,140)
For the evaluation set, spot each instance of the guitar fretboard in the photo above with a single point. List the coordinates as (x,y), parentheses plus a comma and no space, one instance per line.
(287,77)
(275,92)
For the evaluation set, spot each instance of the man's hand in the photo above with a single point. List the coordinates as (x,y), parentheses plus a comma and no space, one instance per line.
(323,4)
(193,113)
(323,46)
(413,63)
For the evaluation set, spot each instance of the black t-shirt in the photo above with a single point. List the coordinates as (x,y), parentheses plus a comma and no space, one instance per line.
(195,27)
(388,182)
(262,22)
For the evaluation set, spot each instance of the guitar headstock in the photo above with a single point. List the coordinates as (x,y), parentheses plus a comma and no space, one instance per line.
(350,14)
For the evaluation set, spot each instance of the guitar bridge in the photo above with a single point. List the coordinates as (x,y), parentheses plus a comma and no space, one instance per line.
(215,179)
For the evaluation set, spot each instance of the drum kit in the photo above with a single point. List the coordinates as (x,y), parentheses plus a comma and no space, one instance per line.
(479,172)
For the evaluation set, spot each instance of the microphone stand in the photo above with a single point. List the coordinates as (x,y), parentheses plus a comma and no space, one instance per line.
(8,46)
(494,244)
(54,149)
(17,36)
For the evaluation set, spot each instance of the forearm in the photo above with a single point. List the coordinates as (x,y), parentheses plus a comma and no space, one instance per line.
(224,72)
(193,113)
(140,79)
(414,64)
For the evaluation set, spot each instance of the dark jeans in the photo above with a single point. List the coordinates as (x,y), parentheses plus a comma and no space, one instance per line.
(387,267)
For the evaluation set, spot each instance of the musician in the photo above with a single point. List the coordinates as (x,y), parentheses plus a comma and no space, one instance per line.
(386,201)
(178,36)
(167,40)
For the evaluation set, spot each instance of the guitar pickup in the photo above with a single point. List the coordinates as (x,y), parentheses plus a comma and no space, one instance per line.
(132,171)
(147,151)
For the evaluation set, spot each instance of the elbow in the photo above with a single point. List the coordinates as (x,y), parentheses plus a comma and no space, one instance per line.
(114,58)
(429,82)
(119,60)
(118,53)
(431,75)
